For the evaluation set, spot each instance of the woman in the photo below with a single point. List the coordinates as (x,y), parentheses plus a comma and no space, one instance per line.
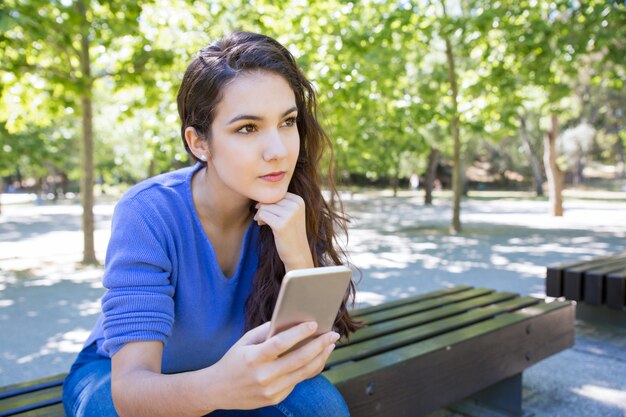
(196,256)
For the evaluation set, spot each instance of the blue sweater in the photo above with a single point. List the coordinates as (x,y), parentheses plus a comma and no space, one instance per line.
(164,282)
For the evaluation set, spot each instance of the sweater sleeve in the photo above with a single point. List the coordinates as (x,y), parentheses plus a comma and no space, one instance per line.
(138,304)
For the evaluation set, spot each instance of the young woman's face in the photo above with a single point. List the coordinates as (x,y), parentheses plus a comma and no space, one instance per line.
(255,141)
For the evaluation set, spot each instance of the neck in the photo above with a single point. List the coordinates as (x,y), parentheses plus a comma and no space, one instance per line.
(216,204)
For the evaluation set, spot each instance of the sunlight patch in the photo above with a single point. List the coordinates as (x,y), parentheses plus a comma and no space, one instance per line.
(455,269)
(603,395)
(89,308)
(552,247)
(6,303)
(526,268)
(69,342)
(366,260)
(369,298)
(498,260)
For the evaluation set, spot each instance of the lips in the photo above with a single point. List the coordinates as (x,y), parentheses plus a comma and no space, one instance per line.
(274,176)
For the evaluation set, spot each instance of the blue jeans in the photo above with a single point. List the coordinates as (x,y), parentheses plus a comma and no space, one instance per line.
(87,393)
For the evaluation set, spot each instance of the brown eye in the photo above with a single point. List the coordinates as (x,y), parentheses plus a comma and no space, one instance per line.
(290,122)
(247,129)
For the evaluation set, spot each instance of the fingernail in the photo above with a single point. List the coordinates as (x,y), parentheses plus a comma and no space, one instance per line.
(334,337)
(331,348)
(312,325)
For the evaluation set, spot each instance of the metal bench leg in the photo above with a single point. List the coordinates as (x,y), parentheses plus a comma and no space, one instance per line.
(503,399)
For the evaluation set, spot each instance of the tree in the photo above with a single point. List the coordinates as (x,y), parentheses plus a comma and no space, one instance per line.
(433,161)
(455,227)
(534,162)
(555,174)
(67,47)
(550,46)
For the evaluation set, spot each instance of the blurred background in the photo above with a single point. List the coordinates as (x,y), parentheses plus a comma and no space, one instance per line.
(465,95)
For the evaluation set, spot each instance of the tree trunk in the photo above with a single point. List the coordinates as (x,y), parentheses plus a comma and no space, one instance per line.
(431,171)
(18,177)
(52,184)
(579,177)
(455,227)
(152,167)
(40,187)
(553,173)
(395,180)
(619,151)
(65,182)
(532,158)
(87,150)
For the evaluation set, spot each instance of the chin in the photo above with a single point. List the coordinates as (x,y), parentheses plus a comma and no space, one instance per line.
(271,197)
(270,200)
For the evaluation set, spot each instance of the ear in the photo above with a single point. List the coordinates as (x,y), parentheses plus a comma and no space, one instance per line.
(198,146)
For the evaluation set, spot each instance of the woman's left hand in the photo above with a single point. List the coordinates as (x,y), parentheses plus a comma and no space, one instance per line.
(287,220)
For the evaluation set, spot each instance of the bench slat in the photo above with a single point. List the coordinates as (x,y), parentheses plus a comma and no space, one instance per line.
(616,290)
(410,300)
(594,283)
(53,410)
(482,354)
(554,273)
(26,402)
(16,389)
(387,327)
(358,351)
(573,277)
(406,310)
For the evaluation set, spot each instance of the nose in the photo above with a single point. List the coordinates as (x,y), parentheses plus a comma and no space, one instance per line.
(274,146)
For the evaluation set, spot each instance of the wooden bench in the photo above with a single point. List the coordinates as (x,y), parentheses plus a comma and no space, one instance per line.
(40,398)
(599,281)
(461,347)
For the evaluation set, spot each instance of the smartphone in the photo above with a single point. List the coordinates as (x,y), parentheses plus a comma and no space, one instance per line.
(312,294)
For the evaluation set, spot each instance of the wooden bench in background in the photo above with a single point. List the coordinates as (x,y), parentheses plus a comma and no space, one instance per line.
(598,285)
(464,348)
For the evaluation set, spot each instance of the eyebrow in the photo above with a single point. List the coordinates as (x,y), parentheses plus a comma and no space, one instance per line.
(253,117)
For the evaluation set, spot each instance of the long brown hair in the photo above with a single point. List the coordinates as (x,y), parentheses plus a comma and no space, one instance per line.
(198,97)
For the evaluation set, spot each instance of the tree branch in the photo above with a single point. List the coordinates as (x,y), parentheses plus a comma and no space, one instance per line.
(33,26)
(39,68)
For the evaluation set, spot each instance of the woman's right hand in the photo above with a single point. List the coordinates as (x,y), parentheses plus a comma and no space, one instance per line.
(253,373)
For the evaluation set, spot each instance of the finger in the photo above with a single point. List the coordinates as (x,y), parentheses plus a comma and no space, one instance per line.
(258,220)
(307,353)
(276,210)
(265,217)
(278,214)
(256,335)
(287,204)
(306,371)
(294,197)
(284,207)
(290,200)
(275,394)
(285,340)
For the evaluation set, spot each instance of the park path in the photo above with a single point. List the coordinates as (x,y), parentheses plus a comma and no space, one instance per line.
(48,303)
